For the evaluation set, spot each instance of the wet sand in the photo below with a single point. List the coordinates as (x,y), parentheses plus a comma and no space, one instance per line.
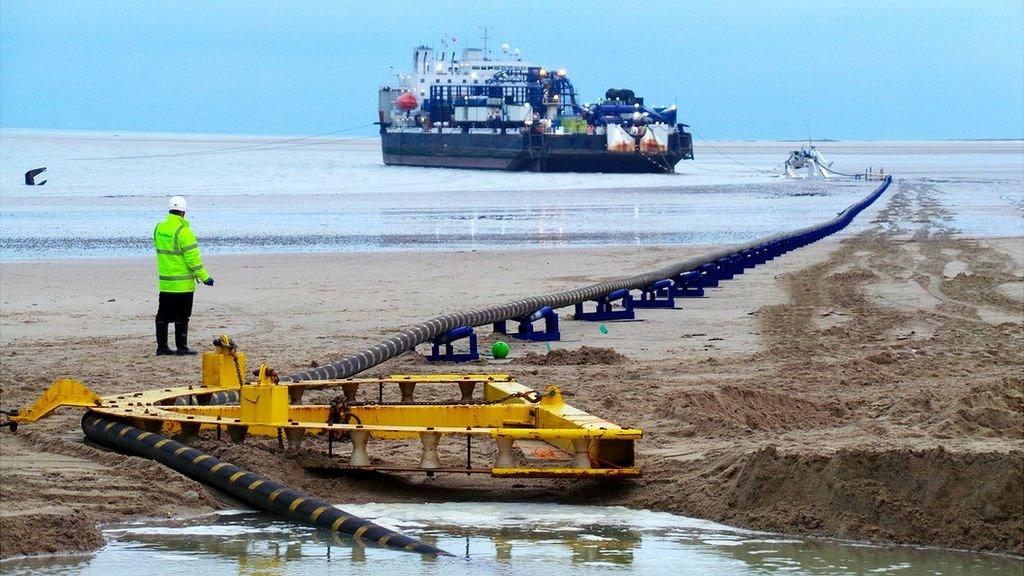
(866,387)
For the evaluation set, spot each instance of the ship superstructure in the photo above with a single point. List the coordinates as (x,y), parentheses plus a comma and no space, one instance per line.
(474,111)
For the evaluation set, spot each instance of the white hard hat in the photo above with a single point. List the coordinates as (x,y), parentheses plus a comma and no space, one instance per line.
(177,203)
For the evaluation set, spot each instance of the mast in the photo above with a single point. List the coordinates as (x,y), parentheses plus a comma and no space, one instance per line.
(486,36)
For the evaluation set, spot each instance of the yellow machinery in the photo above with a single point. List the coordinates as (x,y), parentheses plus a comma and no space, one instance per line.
(556,439)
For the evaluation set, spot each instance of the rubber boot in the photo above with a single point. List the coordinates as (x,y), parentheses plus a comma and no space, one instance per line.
(181,339)
(161,340)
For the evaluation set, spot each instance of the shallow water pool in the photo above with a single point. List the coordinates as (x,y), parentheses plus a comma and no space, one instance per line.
(494,538)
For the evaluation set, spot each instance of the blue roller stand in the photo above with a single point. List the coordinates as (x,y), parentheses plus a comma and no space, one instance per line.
(708,275)
(725,268)
(736,261)
(446,340)
(604,310)
(661,294)
(761,254)
(688,285)
(526,331)
(749,258)
(780,247)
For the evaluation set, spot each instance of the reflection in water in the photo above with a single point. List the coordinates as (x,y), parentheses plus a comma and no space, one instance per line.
(493,539)
(336,195)
(44,227)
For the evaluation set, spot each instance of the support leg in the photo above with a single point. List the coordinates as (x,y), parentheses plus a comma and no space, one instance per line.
(294,436)
(188,431)
(350,391)
(153,426)
(407,389)
(580,447)
(359,455)
(237,433)
(503,458)
(430,459)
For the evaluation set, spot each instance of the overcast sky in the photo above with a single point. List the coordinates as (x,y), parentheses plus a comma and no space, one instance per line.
(738,69)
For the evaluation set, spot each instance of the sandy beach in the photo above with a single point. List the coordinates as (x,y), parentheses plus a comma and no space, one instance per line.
(868,387)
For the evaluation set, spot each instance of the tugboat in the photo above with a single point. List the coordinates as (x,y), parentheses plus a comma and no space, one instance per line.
(475,111)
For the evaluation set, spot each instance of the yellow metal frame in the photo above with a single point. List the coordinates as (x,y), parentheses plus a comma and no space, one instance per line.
(63,392)
(508,412)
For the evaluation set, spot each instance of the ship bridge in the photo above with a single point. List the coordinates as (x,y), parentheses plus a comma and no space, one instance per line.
(446,68)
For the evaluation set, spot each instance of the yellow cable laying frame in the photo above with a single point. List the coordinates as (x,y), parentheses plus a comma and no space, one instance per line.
(504,413)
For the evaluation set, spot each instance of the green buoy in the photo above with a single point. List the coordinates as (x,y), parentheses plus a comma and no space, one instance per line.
(499,350)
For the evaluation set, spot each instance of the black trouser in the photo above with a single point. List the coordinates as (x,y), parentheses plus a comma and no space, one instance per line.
(174,307)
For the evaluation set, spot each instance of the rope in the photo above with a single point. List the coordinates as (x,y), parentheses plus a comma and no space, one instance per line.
(712,146)
(840,173)
(773,171)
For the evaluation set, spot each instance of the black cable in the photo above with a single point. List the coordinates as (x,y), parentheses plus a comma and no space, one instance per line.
(426,331)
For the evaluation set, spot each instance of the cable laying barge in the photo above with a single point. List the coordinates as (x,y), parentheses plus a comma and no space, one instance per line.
(507,114)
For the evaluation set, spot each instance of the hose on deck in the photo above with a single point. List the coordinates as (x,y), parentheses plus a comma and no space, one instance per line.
(426,331)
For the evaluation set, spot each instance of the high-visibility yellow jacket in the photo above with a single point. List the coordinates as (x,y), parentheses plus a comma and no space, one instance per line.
(178,261)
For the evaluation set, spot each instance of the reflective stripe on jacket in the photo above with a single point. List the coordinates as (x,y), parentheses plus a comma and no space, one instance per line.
(178,261)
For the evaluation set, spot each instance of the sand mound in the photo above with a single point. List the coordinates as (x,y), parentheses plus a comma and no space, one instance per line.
(732,408)
(898,495)
(71,531)
(583,356)
(990,409)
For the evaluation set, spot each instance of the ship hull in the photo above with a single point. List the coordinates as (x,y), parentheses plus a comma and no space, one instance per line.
(526,152)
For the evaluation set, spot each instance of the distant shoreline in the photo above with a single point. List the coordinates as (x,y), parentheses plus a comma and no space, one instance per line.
(159,134)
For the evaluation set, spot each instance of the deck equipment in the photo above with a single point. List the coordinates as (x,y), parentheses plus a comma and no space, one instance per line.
(488,407)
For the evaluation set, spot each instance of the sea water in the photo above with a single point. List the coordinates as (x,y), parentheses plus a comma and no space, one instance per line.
(105,191)
(495,538)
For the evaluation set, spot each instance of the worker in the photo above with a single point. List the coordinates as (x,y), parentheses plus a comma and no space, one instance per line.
(179,265)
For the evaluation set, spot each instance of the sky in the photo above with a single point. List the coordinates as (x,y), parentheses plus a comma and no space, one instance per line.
(867,70)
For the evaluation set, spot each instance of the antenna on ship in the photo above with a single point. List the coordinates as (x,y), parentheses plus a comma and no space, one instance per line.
(487,51)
